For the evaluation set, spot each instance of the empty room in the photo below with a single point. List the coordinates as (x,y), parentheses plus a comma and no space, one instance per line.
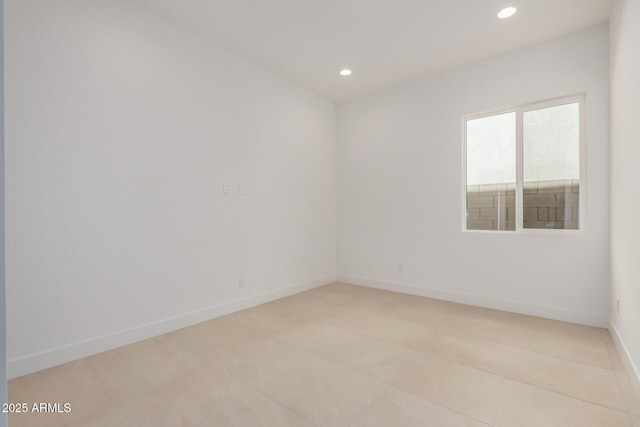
(330,213)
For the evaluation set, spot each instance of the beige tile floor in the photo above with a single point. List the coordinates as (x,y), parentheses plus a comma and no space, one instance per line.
(344,355)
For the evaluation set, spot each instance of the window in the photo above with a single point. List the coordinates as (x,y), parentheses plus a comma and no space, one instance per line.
(524,167)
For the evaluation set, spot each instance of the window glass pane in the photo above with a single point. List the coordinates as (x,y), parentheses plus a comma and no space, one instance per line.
(491,173)
(551,169)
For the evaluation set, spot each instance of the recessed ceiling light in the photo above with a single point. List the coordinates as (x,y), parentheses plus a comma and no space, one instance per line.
(507,12)
(346,72)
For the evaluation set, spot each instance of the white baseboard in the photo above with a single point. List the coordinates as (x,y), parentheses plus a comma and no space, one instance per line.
(548,312)
(632,370)
(57,356)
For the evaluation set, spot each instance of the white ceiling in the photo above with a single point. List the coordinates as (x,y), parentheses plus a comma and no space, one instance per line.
(384,42)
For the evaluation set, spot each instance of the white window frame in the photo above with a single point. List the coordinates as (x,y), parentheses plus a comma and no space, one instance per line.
(581,100)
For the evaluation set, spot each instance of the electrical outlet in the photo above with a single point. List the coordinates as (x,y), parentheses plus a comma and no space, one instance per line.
(400,269)
(241,282)
(226,188)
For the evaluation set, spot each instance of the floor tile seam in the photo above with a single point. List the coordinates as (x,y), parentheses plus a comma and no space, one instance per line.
(280,307)
(377,339)
(189,351)
(322,358)
(283,310)
(551,355)
(135,419)
(365,407)
(124,396)
(405,303)
(488,339)
(111,389)
(370,310)
(626,411)
(582,337)
(271,399)
(505,344)
(366,374)
(414,354)
(611,369)
(425,309)
(326,298)
(221,320)
(529,383)
(432,300)
(113,392)
(448,334)
(230,317)
(447,408)
(361,334)
(239,323)
(267,335)
(591,365)
(383,341)
(309,317)
(487,371)
(430,309)
(302,320)
(421,306)
(470,416)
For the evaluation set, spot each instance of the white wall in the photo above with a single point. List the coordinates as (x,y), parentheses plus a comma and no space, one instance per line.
(625,176)
(121,129)
(400,188)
